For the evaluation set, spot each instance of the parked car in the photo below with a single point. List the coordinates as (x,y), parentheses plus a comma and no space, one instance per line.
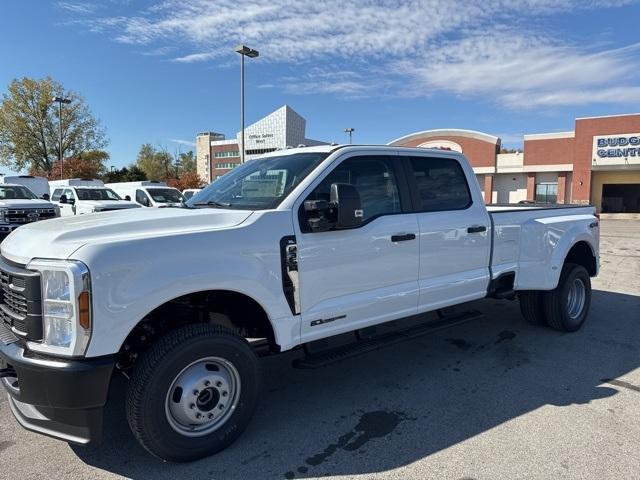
(149,193)
(38,185)
(78,197)
(190,192)
(283,252)
(19,206)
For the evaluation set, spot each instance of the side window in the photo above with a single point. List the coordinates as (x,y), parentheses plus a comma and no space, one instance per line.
(69,193)
(142,198)
(375,179)
(57,193)
(441,184)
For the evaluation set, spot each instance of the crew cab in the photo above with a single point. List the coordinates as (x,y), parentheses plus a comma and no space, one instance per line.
(19,206)
(292,250)
(77,197)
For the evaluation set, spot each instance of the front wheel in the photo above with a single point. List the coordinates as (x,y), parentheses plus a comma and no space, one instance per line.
(567,306)
(193,392)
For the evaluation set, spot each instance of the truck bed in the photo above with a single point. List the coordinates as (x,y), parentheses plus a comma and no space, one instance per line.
(532,240)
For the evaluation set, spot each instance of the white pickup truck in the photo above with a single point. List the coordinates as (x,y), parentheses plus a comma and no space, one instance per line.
(289,250)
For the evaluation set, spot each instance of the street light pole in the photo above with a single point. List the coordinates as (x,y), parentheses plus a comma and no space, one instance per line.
(350,132)
(60,101)
(244,51)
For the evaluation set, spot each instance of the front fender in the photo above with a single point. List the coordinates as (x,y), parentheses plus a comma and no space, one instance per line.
(132,278)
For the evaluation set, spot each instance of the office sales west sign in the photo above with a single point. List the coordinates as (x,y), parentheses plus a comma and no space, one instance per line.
(616,149)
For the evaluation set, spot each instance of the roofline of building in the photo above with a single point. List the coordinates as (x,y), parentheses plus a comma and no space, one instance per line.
(549,136)
(443,132)
(609,116)
(228,141)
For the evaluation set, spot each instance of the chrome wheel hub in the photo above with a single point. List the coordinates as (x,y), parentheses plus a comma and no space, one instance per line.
(202,397)
(576,298)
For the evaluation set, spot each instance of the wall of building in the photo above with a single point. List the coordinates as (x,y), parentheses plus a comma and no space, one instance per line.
(586,129)
(481,153)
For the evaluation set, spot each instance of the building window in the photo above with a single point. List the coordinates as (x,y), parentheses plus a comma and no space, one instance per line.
(229,153)
(227,165)
(547,192)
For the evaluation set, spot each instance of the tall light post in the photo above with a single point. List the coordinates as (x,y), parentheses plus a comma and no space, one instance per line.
(244,51)
(350,132)
(60,101)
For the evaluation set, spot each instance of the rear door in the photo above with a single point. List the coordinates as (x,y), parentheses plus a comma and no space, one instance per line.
(357,277)
(455,240)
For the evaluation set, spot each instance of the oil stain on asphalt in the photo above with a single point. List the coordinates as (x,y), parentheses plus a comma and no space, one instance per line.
(376,424)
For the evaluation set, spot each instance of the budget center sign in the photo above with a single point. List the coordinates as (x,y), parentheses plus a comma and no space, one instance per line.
(616,149)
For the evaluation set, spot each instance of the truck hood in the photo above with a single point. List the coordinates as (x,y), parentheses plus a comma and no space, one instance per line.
(25,203)
(59,238)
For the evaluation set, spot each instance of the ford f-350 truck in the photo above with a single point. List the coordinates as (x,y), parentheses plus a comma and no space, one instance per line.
(286,251)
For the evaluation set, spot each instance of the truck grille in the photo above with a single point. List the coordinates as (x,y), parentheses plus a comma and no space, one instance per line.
(28,215)
(20,305)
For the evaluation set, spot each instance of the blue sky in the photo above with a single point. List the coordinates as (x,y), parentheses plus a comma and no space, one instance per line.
(163,71)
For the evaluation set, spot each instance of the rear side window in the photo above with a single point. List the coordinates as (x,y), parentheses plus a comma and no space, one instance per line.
(142,198)
(56,195)
(440,183)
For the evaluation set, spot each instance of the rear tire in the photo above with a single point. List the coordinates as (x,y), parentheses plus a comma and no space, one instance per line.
(532,306)
(193,392)
(567,306)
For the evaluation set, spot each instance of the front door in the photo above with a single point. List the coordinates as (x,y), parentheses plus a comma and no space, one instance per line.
(361,276)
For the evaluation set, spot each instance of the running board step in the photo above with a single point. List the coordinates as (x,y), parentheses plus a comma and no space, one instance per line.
(360,347)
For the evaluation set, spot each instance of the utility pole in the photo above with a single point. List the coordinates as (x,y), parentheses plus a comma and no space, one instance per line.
(244,51)
(60,101)
(350,132)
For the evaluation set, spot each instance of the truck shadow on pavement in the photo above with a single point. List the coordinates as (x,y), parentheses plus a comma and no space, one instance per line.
(401,404)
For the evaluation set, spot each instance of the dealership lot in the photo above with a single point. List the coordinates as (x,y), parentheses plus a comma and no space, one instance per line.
(496,398)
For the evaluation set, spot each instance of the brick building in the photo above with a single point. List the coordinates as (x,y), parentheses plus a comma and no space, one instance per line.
(598,163)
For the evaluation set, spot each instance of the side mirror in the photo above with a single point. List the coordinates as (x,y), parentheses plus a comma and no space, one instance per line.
(45,196)
(127,198)
(63,199)
(345,199)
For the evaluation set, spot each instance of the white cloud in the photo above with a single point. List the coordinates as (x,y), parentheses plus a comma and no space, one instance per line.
(77,7)
(183,142)
(455,46)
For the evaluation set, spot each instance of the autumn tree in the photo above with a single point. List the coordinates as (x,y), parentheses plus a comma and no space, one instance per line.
(30,122)
(125,174)
(86,165)
(186,180)
(187,162)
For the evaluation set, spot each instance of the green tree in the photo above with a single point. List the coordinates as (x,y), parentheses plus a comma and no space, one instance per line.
(187,161)
(157,164)
(124,174)
(29,125)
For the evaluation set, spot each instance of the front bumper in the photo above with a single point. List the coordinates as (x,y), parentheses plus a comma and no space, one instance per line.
(56,397)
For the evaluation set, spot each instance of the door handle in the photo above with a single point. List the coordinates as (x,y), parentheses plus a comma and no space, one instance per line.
(476,229)
(403,237)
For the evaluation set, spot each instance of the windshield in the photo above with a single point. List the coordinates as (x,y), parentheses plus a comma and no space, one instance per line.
(16,192)
(188,194)
(165,195)
(96,194)
(259,184)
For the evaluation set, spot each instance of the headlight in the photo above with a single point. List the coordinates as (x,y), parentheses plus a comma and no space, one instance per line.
(66,307)
(96,209)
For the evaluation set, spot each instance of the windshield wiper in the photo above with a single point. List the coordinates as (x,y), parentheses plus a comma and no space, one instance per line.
(212,203)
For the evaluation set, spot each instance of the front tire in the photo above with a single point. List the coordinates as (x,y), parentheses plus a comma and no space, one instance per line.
(193,392)
(567,306)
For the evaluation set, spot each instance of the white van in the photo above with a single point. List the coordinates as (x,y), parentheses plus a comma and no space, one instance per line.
(77,196)
(187,193)
(149,193)
(38,185)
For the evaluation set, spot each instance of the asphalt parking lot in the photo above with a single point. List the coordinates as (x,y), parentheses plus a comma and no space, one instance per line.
(491,399)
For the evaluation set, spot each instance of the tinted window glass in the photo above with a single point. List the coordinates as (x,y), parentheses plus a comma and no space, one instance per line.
(441,184)
(142,198)
(375,180)
(16,192)
(56,195)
